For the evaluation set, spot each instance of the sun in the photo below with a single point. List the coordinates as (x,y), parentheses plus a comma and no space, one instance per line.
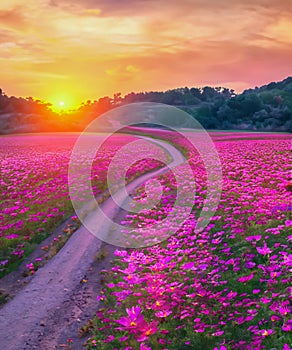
(63,103)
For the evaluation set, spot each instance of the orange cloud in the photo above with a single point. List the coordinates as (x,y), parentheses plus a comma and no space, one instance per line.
(91,48)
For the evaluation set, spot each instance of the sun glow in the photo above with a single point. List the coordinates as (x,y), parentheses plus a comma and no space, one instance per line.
(63,103)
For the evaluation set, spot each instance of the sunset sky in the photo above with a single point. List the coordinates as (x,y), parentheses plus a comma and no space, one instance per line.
(71,50)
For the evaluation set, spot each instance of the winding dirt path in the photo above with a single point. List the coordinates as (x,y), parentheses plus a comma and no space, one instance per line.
(53,306)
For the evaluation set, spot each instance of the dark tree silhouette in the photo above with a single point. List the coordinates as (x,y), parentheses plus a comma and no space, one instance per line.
(264,108)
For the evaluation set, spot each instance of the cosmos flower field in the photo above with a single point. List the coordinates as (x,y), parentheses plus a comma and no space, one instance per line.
(225,287)
(34,188)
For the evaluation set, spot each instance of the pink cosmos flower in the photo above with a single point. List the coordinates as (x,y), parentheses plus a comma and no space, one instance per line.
(12,236)
(121,253)
(231,295)
(4,262)
(134,320)
(101,297)
(256,291)
(253,238)
(187,266)
(264,250)
(199,330)
(265,300)
(274,274)
(286,347)
(250,264)
(217,334)
(147,330)
(122,339)
(162,314)
(287,327)
(244,279)
(266,332)
(109,339)
(275,318)
(284,310)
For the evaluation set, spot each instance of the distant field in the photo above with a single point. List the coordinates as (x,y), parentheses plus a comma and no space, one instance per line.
(34,187)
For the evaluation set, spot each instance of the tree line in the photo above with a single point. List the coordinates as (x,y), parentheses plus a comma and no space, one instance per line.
(266,108)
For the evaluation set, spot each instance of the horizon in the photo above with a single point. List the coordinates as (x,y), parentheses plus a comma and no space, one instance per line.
(62,108)
(80,51)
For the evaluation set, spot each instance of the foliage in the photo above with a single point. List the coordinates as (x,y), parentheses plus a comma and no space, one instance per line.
(268,108)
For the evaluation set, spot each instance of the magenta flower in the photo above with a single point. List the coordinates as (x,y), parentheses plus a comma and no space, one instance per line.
(265,300)
(231,295)
(200,329)
(147,330)
(12,236)
(266,332)
(217,334)
(275,318)
(250,264)
(286,347)
(253,238)
(109,339)
(122,339)
(264,250)
(284,310)
(134,320)
(287,327)
(256,291)
(245,279)
(4,262)
(162,314)
(188,266)
(274,274)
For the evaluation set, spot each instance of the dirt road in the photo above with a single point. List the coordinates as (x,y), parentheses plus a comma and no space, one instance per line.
(51,308)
